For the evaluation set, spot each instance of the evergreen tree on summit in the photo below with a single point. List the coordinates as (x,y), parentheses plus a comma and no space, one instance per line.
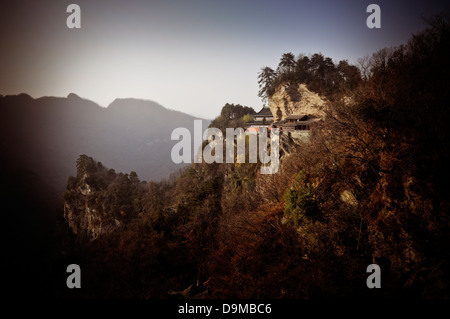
(287,63)
(265,80)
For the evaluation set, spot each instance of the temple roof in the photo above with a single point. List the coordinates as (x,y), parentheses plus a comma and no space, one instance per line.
(297,117)
(265,111)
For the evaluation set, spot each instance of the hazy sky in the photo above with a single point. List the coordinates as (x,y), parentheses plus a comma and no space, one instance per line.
(191,55)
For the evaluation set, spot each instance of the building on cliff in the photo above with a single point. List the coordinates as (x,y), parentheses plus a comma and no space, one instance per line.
(296,110)
(293,109)
(297,125)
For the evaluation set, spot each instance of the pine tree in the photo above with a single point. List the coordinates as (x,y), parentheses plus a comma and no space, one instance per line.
(265,80)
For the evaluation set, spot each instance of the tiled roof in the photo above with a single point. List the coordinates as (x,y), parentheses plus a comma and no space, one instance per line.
(267,122)
(296,117)
(292,124)
(265,111)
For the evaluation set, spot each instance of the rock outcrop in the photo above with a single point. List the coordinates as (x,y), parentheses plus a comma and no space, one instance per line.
(85,221)
(295,99)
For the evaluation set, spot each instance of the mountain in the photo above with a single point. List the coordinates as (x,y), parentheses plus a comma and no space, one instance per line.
(362,203)
(43,137)
(40,141)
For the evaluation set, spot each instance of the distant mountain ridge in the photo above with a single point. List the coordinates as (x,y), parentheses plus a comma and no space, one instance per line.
(45,136)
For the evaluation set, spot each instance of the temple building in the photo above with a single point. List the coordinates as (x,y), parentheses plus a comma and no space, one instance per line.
(263,118)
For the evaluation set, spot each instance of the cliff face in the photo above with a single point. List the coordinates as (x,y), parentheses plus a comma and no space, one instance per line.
(85,221)
(295,99)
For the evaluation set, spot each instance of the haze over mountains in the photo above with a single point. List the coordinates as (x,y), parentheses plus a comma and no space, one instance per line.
(42,138)
(40,141)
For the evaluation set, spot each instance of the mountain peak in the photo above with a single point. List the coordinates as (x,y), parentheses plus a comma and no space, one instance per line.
(130,103)
(73,96)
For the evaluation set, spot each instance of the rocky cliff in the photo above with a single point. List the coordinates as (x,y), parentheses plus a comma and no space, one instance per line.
(295,99)
(87,221)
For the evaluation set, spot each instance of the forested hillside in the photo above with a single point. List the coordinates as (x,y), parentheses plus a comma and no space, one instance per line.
(370,187)
(40,140)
